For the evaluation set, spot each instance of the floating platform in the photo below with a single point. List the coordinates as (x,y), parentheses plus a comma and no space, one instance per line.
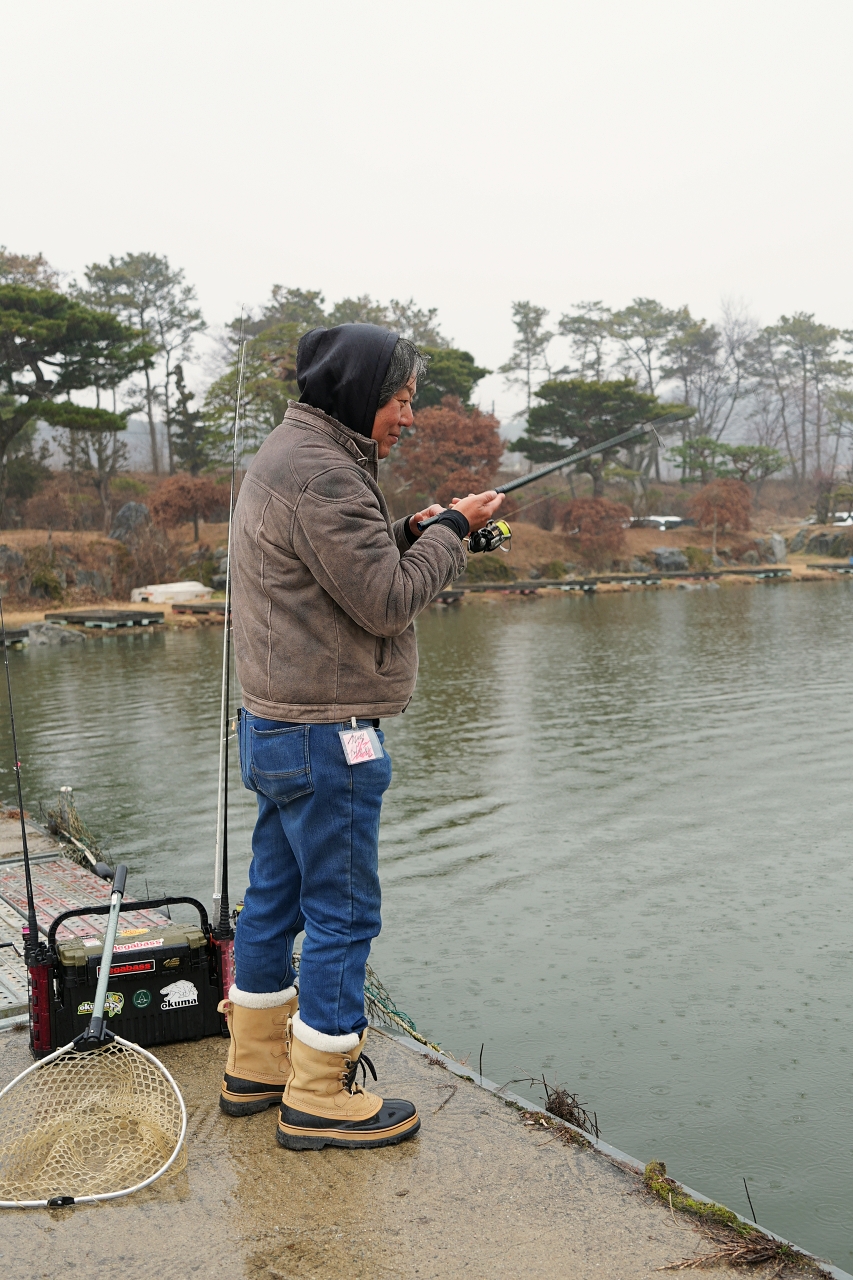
(843,567)
(106,619)
(16,637)
(207,606)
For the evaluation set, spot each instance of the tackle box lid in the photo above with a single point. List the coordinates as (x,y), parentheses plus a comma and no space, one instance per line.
(74,952)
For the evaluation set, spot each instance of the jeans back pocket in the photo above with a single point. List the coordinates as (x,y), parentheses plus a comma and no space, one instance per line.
(279,764)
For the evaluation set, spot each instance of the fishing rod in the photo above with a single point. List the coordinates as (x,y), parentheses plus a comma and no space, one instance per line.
(223,932)
(494,534)
(32,946)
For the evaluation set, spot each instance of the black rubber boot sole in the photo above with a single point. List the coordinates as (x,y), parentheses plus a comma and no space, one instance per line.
(246,1108)
(247,1103)
(295,1138)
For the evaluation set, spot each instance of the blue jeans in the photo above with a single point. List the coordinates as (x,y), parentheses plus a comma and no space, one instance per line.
(314,866)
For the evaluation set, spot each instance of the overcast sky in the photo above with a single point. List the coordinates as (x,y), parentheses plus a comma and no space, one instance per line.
(461,152)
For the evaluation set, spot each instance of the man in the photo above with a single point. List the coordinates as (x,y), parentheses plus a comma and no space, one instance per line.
(325,592)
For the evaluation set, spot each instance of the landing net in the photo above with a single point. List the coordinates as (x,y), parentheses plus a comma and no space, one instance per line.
(89,1126)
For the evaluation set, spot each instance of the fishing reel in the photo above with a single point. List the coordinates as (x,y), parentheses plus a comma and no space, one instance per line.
(491,537)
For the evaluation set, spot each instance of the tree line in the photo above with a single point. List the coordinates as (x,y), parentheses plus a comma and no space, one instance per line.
(85,356)
(119,338)
(122,339)
(763,399)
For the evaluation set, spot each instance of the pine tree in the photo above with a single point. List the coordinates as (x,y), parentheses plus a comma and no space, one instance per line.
(191,438)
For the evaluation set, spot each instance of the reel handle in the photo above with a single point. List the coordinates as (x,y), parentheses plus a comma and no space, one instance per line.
(491,537)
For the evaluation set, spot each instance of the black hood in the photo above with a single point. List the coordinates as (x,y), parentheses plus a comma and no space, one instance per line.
(341,371)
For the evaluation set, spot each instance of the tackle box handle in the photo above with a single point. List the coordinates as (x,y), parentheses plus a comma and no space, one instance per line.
(128,906)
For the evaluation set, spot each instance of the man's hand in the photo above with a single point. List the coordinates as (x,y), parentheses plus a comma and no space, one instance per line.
(435,510)
(478,508)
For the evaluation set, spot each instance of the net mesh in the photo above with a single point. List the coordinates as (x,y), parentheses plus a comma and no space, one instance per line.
(87,1124)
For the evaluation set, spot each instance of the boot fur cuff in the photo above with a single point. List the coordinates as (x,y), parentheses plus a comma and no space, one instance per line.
(261,999)
(323,1043)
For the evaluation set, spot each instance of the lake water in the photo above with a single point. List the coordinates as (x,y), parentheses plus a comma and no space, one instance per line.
(616,850)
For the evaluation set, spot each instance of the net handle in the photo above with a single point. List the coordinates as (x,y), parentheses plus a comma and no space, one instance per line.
(96,1022)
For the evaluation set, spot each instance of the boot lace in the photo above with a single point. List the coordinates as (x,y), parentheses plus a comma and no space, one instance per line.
(348,1078)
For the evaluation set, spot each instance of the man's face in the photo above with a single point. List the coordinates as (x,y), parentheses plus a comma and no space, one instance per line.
(392,417)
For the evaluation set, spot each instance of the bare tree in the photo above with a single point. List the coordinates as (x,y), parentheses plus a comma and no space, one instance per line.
(839,414)
(709,364)
(797,369)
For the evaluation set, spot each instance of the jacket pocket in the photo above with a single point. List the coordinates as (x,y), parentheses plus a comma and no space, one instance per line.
(383,653)
(279,763)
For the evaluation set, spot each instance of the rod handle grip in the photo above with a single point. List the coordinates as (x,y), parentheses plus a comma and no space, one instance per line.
(425,524)
(120,879)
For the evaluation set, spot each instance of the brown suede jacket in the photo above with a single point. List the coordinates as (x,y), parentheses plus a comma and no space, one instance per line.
(325,587)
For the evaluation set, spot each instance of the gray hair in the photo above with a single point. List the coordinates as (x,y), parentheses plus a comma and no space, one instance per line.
(406,362)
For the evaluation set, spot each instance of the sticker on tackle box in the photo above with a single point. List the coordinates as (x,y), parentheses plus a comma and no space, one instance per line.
(114,1004)
(360,745)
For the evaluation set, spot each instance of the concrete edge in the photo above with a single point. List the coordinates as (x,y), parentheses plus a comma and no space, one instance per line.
(15,1020)
(611,1153)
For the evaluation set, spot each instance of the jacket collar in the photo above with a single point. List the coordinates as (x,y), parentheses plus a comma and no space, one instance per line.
(364,451)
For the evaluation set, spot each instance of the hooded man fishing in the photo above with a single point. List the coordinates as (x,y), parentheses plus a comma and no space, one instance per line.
(326,589)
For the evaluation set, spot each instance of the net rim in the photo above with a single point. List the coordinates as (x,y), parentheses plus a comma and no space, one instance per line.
(125,1191)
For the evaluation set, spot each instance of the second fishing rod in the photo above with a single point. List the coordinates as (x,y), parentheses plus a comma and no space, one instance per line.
(497,532)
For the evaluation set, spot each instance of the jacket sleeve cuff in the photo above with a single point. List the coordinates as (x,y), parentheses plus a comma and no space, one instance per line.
(455,521)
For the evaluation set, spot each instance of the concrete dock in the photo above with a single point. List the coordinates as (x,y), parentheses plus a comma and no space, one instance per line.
(479,1192)
(484,1190)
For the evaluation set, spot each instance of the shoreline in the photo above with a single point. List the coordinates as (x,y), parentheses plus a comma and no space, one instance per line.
(793,570)
(798,569)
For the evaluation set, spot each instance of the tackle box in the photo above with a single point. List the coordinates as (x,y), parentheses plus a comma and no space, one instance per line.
(164,983)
